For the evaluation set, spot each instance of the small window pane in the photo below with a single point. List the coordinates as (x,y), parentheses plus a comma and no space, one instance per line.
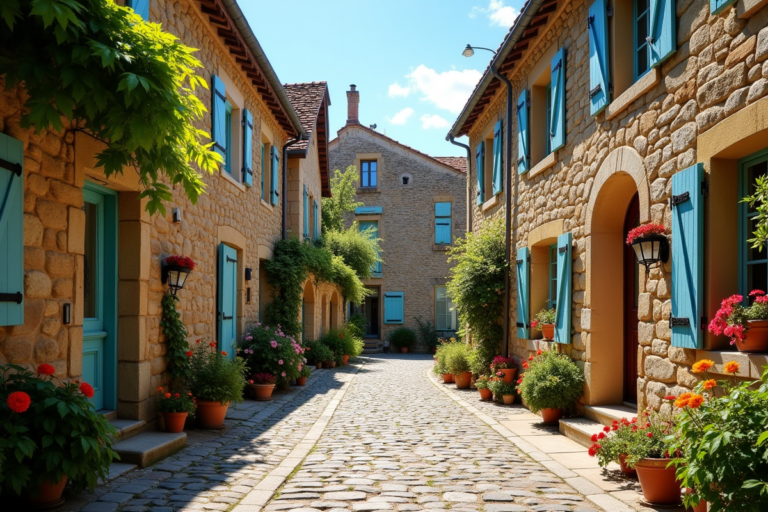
(91,260)
(752,174)
(753,253)
(757,277)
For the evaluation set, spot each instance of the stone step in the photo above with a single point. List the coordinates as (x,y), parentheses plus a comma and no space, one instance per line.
(126,429)
(607,414)
(118,469)
(580,429)
(149,447)
(108,414)
(372,350)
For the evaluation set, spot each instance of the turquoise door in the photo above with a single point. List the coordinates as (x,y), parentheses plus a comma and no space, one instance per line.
(227,299)
(100,295)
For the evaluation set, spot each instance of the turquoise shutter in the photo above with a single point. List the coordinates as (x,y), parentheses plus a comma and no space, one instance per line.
(557,109)
(564,289)
(480,153)
(11,231)
(662,38)
(718,6)
(523,146)
(140,7)
(306,213)
(393,308)
(523,291)
(443,227)
(273,193)
(497,160)
(598,57)
(316,227)
(247,148)
(219,116)
(227,299)
(687,258)
(262,170)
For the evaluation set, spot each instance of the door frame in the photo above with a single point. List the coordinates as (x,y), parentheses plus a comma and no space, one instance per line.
(630,287)
(107,231)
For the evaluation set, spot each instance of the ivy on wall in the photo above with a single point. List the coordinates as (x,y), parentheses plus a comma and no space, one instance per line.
(176,336)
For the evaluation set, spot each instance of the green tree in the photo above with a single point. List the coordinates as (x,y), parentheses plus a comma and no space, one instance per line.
(342,200)
(105,71)
(359,249)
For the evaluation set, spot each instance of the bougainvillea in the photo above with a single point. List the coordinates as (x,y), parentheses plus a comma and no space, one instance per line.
(643,231)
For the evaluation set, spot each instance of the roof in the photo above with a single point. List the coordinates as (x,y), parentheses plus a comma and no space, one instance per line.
(533,16)
(457,162)
(400,144)
(311,102)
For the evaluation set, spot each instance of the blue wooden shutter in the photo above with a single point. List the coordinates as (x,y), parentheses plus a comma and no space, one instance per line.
(316,227)
(247,148)
(263,167)
(497,159)
(480,181)
(523,141)
(718,6)
(227,299)
(564,289)
(273,193)
(557,109)
(219,116)
(687,257)
(11,231)
(443,227)
(662,38)
(306,214)
(523,291)
(393,308)
(140,7)
(598,57)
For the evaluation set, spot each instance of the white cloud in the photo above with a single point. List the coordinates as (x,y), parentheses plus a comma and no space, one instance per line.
(448,90)
(500,15)
(396,90)
(433,121)
(401,117)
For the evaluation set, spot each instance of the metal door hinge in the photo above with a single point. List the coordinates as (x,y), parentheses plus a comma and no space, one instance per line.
(680,198)
(679,321)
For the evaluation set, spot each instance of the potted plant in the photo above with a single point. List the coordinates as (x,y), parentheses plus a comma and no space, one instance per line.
(352,341)
(334,340)
(271,351)
(440,367)
(427,334)
(504,367)
(323,356)
(402,338)
(551,383)
(720,440)
(305,372)
(457,363)
(216,382)
(544,321)
(612,444)
(502,390)
(482,385)
(746,326)
(39,453)
(175,407)
(262,384)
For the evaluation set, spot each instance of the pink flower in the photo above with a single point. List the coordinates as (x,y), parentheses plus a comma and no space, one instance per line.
(280,362)
(756,292)
(273,343)
(283,374)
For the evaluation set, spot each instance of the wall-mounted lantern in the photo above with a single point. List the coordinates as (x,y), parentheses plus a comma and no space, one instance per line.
(650,245)
(175,272)
(248,274)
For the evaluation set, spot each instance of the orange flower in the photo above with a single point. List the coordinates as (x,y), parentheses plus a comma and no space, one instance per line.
(682,400)
(731,367)
(160,389)
(702,366)
(695,401)
(167,395)
(709,384)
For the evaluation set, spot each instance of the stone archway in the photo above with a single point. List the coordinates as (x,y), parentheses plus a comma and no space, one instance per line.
(309,325)
(620,177)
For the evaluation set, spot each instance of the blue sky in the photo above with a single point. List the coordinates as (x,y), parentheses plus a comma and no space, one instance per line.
(403,55)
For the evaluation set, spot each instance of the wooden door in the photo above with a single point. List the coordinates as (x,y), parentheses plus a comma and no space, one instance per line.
(227,300)
(631,288)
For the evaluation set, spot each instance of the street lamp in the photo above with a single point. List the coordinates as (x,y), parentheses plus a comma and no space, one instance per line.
(470,50)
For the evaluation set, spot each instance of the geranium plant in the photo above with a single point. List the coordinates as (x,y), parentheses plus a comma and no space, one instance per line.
(263,378)
(270,350)
(502,363)
(544,317)
(644,231)
(646,438)
(614,441)
(176,402)
(732,318)
(216,378)
(180,261)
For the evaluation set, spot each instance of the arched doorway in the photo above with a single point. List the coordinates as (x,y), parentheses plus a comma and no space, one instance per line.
(631,290)
(334,310)
(308,312)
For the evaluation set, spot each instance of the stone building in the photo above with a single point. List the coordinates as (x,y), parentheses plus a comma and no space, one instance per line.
(416,205)
(609,130)
(85,258)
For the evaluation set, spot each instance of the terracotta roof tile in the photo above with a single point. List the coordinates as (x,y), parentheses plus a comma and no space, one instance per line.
(457,162)
(306,100)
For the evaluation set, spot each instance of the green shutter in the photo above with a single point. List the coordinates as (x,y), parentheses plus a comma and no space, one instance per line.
(247,148)
(480,153)
(498,172)
(140,7)
(523,140)
(393,308)
(557,108)
(11,231)
(598,57)
(227,299)
(523,292)
(718,6)
(564,289)
(273,193)
(662,39)
(306,213)
(687,258)
(219,116)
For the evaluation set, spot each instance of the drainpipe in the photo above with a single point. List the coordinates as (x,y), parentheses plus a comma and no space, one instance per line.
(285,181)
(469,185)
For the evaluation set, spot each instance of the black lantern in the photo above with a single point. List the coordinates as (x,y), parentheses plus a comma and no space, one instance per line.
(651,250)
(175,276)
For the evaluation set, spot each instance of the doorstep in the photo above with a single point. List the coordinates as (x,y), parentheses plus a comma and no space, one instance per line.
(149,447)
(607,414)
(580,430)
(127,429)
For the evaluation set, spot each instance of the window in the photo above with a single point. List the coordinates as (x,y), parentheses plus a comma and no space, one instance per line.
(446,318)
(753,272)
(443,223)
(552,300)
(640,24)
(232,129)
(368,174)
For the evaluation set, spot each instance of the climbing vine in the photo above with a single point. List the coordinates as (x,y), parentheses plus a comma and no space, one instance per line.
(176,337)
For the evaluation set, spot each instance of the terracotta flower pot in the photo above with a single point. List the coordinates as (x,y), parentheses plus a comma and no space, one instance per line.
(463,380)
(263,391)
(48,495)
(174,421)
(508,399)
(485,394)
(330,364)
(509,375)
(447,378)
(624,468)
(301,381)
(551,415)
(548,330)
(660,487)
(346,358)
(757,337)
(319,365)
(403,350)
(211,414)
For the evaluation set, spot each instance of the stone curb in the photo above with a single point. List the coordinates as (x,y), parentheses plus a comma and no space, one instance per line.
(594,493)
(263,492)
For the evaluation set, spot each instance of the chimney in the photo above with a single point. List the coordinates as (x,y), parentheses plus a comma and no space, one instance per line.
(353,100)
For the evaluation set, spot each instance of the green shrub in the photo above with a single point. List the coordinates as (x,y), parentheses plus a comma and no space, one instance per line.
(441,356)
(334,340)
(323,354)
(552,381)
(352,342)
(357,323)
(457,358)
(427,333)
(402,337)
(214,377)
(501,388)
(359,249)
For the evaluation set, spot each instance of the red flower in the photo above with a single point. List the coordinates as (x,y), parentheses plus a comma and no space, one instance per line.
(643,231)
(167,395)
(188,353)
(534,324)
(650,434)
(525,364)
(211,344)
(606,429)
(670,397)
(520,380)
(46,369)
(538,352)
(18,401)
(601,435)
(753,293)
(181,261)
(530,358)
(223,353)
(197,341)
(176,395)
(87,390)
(594,438)
(341,335)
